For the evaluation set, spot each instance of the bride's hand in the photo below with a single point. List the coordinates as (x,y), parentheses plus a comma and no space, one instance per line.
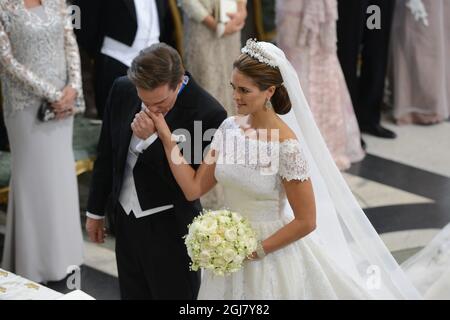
(253,256)
(161,126)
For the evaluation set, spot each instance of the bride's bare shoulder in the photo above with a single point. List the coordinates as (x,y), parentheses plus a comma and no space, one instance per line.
(286,133)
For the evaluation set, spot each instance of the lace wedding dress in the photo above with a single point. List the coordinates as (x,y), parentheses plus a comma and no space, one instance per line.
(300,270)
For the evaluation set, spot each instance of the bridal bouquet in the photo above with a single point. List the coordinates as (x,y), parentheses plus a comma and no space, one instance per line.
(220,241)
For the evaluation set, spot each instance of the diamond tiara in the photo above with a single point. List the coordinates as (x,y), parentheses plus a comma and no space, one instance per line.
(255,50)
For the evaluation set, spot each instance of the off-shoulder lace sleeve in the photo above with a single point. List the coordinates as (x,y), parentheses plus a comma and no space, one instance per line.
(195,10)
(293,165)
(19,71)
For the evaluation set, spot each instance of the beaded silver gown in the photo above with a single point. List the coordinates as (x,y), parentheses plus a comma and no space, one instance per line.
(38,58)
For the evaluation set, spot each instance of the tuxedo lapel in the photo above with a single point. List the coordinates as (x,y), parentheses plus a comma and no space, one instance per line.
(131,7)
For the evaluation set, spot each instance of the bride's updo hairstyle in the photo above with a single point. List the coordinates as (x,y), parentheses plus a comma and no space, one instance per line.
(265,76)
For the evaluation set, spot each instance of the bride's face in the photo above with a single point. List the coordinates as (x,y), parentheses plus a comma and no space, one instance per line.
(246,94)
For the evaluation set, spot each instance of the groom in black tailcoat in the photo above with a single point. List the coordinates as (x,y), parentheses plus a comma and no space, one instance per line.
(150,211)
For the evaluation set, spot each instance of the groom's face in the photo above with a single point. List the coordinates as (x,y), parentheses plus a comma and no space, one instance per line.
(160,99)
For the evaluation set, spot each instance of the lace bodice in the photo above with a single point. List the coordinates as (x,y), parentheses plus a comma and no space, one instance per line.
(251,171)
(38,56)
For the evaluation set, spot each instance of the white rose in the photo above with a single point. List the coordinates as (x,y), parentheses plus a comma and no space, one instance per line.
(229,255)
(238,259)
(224,219)
(242,231)
(230,234)
(209,225)
(215,240)
(193,227)
(204,256)
(220,262)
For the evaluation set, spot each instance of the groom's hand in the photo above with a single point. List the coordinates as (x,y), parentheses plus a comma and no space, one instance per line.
(96,230)
(143,126)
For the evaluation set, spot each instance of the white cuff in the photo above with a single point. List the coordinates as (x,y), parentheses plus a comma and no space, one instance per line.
(144,144)
(94,216)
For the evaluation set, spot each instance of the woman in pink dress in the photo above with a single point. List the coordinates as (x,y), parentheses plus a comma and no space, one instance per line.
(420,67)
(307,35)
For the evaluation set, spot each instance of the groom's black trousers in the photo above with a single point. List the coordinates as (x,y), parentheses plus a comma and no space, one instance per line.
(152,259)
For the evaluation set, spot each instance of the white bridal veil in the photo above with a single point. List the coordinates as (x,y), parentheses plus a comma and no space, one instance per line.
(343,229)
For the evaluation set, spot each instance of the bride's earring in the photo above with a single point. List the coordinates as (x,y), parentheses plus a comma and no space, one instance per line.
(268,105)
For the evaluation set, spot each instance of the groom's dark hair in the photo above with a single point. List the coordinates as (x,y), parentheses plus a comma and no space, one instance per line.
(155,66)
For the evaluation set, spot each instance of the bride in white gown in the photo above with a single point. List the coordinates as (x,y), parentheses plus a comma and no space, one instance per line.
(275,169)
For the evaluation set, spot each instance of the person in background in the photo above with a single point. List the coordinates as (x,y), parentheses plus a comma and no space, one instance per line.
(307,35)
(40,63)
(113,32)
(150,211)
(210,47)
(420,66)
(359,43)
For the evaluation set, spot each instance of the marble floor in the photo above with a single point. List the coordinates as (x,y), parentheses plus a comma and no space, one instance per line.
(402,184)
